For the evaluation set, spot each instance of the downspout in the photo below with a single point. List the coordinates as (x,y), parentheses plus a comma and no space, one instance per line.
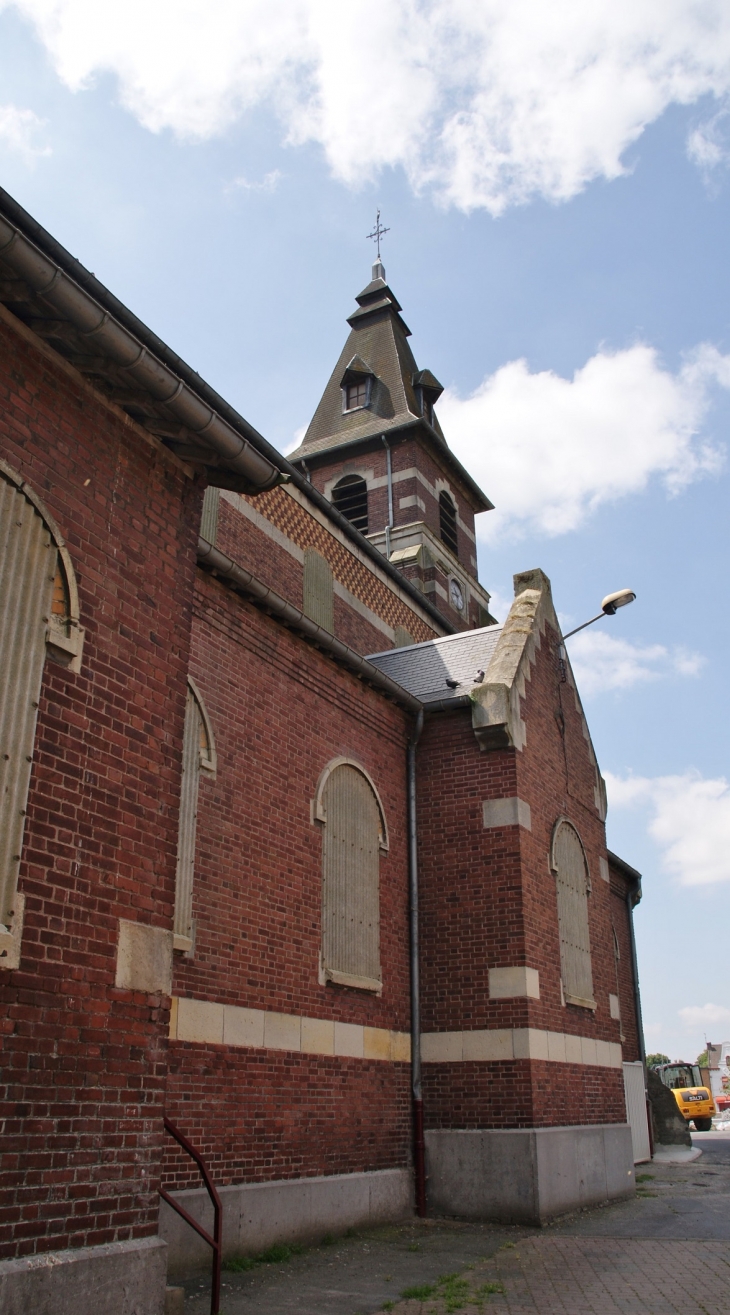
(419,1148)
(635,974)
(389,526)
(639,1019)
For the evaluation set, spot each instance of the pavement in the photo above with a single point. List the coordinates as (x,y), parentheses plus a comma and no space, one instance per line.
(666,1251)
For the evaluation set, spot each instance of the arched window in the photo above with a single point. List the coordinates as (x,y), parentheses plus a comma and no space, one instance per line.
(568,862)
(39,617)
(350,496)
(354,834)
(447,522)
(198,756)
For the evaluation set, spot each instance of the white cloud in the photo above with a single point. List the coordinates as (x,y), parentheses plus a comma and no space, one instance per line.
(708,145)
(500,602)
(700,1016)
(268,183)
(603,662)
(298,436)
(690,822)
(489,104)
(19,131)
(550,450)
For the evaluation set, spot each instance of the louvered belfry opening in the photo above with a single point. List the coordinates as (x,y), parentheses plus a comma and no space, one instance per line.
(351,879)
(350,496)
(318,598)
(572,881)
(447,522)
(28,561)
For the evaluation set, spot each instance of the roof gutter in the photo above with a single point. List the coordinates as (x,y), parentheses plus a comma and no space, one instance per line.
(244,582)
(234,451)
(65,284)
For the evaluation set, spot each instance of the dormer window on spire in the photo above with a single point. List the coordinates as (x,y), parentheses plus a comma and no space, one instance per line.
(428,391)
(356,395)
(357,385)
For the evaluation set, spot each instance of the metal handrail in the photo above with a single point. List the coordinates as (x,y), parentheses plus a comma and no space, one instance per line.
(215,1240)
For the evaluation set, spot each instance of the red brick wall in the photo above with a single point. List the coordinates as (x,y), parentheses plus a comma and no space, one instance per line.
(246,544)
(521,1094)
(405,455)
(488,899)
(557,777)
(84,1063)
(259,1115)
(471,901)
(280,712)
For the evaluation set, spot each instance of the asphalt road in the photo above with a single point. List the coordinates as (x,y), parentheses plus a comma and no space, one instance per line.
(357,1275)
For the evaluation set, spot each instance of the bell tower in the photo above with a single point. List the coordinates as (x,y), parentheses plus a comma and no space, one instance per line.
(375,448)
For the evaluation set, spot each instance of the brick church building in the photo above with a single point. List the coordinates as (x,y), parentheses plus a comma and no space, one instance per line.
(299,848)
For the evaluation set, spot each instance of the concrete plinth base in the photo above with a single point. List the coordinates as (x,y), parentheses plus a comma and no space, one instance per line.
(121,1278)
(255,1215)
(527,1175)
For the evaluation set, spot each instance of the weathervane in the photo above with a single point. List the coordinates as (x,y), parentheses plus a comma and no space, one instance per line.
(378,232)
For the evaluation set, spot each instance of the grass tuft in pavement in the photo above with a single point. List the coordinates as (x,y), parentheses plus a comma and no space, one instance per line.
(273,1255)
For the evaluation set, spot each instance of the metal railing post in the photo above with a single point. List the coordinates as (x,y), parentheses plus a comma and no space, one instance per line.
(216,1239)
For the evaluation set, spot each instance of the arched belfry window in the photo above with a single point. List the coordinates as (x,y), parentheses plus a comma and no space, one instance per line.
(350,496)
(354,835)
(199,757)
(447,521)
(572,879)
(39,617)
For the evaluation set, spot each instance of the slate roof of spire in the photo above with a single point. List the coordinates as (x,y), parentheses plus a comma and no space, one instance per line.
(440,669)
(378,341)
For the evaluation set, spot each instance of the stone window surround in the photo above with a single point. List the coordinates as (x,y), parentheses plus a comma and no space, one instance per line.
(319,816)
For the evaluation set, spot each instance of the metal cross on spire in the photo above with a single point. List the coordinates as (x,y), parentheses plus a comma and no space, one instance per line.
(378,232)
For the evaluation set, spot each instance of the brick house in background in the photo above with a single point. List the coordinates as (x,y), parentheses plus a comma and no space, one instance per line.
(252,711)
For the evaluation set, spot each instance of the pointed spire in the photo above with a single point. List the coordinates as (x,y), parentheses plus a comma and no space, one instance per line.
(379,271)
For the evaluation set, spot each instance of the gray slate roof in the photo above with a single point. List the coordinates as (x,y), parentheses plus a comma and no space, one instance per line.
(379,338)
(423,669)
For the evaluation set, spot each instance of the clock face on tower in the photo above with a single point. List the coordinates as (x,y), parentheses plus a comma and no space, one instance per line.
(457,597)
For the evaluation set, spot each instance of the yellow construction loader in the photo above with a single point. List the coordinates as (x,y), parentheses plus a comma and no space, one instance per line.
(694,1100)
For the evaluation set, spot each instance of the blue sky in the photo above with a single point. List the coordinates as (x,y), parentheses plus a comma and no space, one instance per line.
(557,188)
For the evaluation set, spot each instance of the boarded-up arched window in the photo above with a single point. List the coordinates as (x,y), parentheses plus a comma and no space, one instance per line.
(198,756)
(318,602)
(349,808)
(39,616)
(568,862)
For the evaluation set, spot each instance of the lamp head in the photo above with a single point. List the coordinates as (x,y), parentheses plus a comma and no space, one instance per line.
(612,602)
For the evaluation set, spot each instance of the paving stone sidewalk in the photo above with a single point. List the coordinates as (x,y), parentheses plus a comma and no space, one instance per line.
(665,1251)
(587,1276)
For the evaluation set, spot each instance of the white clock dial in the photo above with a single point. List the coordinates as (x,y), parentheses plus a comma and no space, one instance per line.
(457,597)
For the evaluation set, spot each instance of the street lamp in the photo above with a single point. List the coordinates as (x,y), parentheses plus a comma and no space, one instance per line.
(609,607)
